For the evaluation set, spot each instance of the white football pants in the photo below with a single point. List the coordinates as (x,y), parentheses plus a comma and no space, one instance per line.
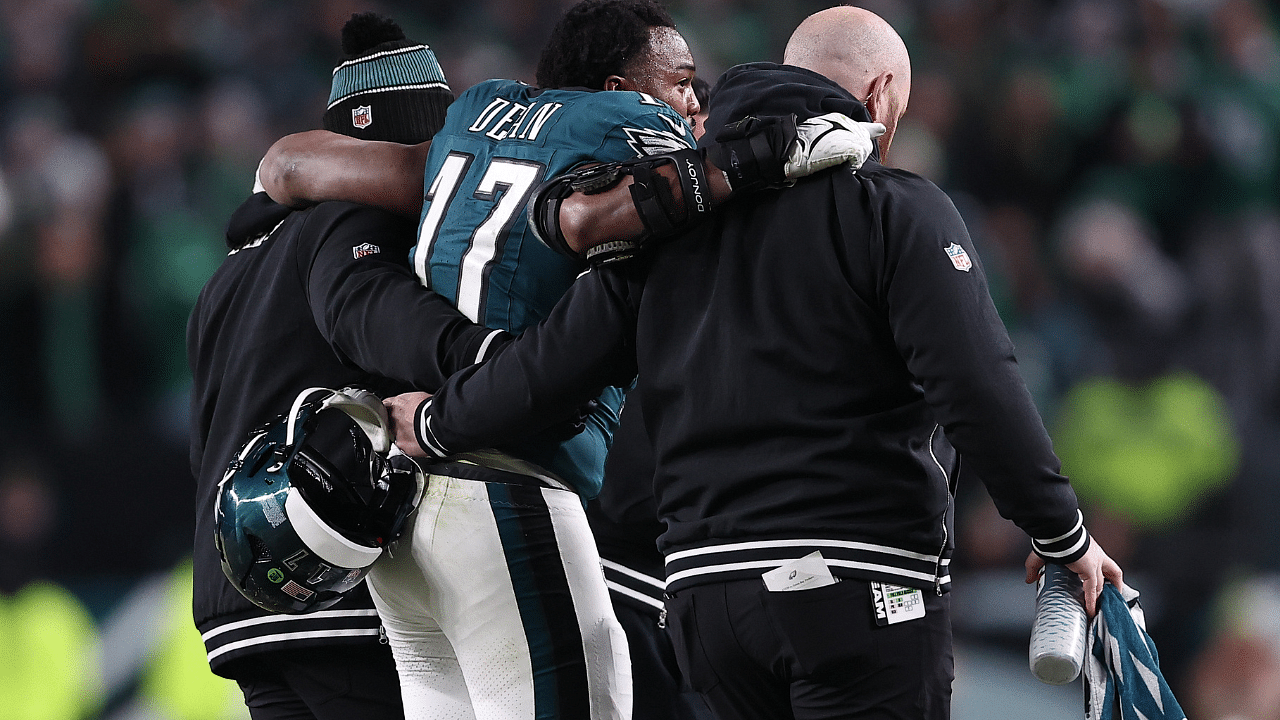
(496,608)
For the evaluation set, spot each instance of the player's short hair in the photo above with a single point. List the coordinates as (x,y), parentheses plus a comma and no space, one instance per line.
(596,39)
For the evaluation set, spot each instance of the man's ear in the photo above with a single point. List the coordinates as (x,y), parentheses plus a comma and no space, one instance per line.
(878,99)
(614,82)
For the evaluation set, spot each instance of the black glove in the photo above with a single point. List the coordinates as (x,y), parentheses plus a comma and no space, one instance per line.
(774,151)
(753,152)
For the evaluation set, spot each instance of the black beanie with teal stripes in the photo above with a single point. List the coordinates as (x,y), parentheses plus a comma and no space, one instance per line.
(386,87)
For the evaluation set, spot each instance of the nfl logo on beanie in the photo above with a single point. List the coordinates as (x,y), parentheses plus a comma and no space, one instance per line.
(362,117)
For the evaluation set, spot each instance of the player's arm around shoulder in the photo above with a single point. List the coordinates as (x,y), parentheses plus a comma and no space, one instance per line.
(318,166)
(671,188)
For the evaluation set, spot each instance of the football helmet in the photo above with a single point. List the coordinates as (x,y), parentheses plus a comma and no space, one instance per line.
(312,500)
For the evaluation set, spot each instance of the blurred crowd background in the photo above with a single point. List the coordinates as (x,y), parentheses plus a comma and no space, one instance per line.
(1117,162)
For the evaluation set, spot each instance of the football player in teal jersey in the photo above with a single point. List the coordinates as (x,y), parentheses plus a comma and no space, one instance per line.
(493,600)
(500,140)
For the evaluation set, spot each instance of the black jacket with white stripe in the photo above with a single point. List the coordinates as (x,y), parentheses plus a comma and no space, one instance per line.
(316,298)
(813,363)
(624,516)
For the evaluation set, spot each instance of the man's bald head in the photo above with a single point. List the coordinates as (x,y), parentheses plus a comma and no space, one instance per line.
(861,53)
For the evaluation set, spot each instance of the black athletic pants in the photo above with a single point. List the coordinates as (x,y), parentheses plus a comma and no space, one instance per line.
(655,678)
(356,682)
(811,654)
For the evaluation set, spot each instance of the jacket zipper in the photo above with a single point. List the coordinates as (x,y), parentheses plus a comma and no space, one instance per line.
(937,567)
(946,482)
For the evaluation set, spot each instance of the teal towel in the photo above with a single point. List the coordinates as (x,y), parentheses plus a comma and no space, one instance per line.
(1122,678)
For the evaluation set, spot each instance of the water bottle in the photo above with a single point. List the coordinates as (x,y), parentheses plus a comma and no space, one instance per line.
(1058,632)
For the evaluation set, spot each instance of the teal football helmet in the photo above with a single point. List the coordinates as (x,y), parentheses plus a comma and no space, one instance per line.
(312,500)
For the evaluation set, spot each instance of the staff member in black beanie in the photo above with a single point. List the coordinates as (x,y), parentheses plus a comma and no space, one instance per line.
(321,297)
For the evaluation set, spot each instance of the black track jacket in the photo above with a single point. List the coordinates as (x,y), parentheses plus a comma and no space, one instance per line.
(316,298)
(813,362)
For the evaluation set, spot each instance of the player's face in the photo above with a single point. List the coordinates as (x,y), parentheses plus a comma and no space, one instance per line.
(699,122)
(666,71)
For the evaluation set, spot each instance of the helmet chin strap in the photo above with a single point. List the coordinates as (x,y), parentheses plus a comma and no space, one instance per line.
(419,476)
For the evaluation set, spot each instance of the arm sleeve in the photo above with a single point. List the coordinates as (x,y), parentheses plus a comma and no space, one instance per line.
(374,312)
(956,346)
(587,343)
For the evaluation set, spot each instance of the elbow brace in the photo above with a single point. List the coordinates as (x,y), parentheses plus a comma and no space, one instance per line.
(661,213)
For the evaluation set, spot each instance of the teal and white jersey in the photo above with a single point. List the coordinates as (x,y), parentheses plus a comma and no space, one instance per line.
(500,140)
